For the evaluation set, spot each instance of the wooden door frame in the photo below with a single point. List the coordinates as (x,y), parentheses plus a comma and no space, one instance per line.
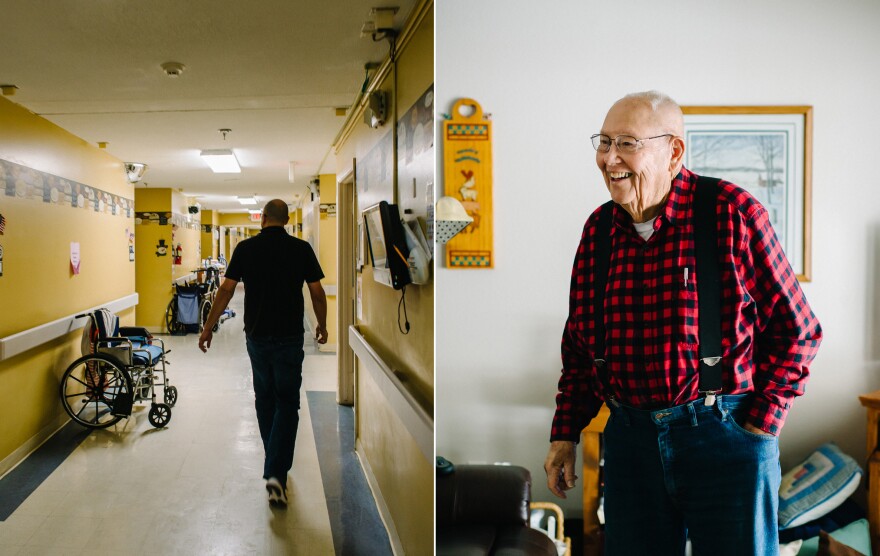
(347,221)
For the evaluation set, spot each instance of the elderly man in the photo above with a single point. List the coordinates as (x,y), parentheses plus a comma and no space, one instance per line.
(274,266)
(691,445)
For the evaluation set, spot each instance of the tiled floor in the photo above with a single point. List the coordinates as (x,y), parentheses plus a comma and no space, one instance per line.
(192,488)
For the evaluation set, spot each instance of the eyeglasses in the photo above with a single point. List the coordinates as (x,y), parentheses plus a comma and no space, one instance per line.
(625,143)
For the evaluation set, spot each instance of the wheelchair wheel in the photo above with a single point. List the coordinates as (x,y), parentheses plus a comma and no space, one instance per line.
(204,311)
(93,388)
(171,323)
(170,395)
(160,414)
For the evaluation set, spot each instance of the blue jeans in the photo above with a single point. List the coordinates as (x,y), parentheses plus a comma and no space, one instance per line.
(690,471)
(277,371)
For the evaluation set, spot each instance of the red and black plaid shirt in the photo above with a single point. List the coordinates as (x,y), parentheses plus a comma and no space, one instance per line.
(769,332)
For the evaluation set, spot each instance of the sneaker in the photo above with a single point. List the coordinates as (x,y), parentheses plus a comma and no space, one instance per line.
(277,493)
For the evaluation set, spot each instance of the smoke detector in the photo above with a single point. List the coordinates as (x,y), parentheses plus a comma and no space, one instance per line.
(173,69)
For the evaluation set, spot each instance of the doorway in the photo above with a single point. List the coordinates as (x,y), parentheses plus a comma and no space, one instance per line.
(347,265)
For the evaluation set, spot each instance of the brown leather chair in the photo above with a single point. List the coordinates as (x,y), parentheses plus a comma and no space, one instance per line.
(484,510)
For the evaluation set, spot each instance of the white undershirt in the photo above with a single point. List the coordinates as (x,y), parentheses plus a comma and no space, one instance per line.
(645,229)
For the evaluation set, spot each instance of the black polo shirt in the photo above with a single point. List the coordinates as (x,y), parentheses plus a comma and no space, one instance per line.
(273,267)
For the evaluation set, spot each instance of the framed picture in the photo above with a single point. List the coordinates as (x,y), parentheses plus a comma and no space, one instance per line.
(766,150)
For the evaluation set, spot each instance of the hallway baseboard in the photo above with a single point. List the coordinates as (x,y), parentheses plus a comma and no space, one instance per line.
(22,480)
(358,526)
(384,512)
(32,444)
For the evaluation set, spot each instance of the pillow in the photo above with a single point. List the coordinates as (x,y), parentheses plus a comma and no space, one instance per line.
(817,485)
(840,516)
(830,547)
(855,535)
(790,549)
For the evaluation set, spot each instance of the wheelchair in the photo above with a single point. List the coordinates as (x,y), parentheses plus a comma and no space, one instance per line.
(191,304)
(120,366)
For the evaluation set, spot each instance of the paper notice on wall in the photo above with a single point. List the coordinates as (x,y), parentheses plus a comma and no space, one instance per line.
(74,257)
(360,305)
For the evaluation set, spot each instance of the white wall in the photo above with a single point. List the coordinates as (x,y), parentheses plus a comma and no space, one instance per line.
(548,73)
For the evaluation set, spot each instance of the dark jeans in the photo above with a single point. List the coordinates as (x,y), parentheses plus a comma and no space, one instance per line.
(277,371)
(690,470)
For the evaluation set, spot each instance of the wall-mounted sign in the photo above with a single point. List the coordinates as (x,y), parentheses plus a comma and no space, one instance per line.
(74,257)
(467,174)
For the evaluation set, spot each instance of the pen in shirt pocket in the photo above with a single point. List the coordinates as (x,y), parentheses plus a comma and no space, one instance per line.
(685,277)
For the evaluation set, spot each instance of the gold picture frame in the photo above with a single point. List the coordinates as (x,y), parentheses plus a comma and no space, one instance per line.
(768,151)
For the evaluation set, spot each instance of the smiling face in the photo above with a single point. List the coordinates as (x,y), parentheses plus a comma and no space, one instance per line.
(640,181)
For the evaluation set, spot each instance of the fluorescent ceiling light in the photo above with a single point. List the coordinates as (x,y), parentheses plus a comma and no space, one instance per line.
(247,200)
(221,161)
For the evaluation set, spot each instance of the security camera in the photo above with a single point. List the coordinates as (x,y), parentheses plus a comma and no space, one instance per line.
(374,112)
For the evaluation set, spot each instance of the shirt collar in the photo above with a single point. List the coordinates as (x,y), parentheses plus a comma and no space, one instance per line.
(680,197)
(272,229)
(677,203)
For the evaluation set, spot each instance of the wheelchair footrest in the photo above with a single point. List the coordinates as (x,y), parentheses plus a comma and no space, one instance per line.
(122,404)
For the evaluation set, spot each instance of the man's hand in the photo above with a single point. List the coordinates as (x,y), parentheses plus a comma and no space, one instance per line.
(205,339)
(559,467)
(321,334)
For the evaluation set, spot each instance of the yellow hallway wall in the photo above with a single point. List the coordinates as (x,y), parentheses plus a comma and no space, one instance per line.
(37,285)
(153,271)
(157,273)
(153,276)
(327,253)
(210,222)
(412,354)
(402,474)
(186,234)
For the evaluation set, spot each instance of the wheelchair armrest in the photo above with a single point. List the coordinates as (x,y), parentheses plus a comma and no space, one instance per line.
(115,342)
(134,331)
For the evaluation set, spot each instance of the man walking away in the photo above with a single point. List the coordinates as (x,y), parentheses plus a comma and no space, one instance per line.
(273,267)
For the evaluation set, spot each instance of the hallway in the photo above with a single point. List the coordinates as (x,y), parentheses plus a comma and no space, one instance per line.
(195,487)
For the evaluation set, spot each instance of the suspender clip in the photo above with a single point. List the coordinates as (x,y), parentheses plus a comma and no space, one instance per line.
(710,397)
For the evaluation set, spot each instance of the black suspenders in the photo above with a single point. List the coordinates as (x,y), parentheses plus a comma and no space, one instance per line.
(603,263)
(708,288)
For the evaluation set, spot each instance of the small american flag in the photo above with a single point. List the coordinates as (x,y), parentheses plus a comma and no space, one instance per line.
(2,224)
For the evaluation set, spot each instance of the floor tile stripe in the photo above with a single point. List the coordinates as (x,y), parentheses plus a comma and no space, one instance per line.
(354,519)
(24,479)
